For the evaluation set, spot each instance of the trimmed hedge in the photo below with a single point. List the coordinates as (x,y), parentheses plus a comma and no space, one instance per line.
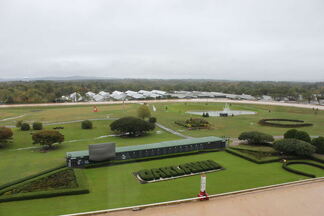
(273,123)
(82,188)
(252,158)
(286,167)
(117,162)
(30,177)
(168,172)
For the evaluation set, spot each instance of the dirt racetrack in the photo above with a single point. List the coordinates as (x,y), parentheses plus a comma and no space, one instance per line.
(296,200)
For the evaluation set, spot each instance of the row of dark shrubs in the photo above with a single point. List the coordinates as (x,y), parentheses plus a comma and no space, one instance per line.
(26,127)
(286,167)
(273,123)
(174,171)
(82,188)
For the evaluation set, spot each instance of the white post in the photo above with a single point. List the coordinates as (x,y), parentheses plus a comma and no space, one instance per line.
(203,183)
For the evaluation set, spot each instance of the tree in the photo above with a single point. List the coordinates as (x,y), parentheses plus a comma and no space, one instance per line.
(37,126)
(256,138)
(294,147)
(5,135)
(143,112)
(303,135)
(131,126)
(290,134)
(86,124)
(19,123)
(25,127)
(319,144)
(296,134)
(152,120)
(47,138)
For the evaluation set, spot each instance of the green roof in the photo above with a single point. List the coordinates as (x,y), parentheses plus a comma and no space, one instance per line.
(153,145)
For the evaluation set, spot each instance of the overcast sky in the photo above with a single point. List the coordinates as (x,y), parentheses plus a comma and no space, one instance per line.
(209,39)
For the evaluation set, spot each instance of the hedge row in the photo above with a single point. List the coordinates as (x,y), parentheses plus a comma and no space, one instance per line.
(286,167)
(82,188)
(252,158)
(117,162)
(30,177)
(175,171)
(272,123)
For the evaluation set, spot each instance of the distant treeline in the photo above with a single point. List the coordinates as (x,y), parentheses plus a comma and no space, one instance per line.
(51,91)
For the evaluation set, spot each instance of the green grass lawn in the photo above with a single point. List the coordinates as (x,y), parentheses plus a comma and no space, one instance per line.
(19,163)
(115,186)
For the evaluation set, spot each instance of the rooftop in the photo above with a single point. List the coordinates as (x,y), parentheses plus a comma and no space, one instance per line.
(153,145)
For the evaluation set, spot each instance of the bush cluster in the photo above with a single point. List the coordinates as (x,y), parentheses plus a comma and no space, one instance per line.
(194,123)
(25,127)
(86,124)
(319,144)
(278,123)
(37,126)
(296,134)
(256,138)
(174,171)
(47,137)
(294,147)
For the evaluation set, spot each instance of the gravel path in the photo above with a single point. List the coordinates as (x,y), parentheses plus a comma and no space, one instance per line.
(172,131)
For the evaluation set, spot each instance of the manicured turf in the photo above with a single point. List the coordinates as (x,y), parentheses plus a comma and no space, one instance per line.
(115,186)
(19,163)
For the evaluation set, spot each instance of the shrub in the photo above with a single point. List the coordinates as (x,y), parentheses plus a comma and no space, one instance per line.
(47,138)
(152,120)
(290,134)
(25,127)
(304,136)
(256,138)
(319,144)
(131,126)
(294,147)
(86,124)
(19,123)
(37,126)
(175,171)
(5,135)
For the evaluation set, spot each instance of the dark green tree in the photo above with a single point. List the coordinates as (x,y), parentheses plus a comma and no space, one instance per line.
(47,138)
(131,126)
(294,147)
(319,144)
(37,126)
(25,127)
(86,124)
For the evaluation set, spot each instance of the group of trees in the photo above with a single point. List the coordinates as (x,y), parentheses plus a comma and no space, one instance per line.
(24,126)
(295,142)
(51,91)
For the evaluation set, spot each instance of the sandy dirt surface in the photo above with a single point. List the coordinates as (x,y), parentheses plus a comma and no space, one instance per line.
(297,200)
(310,106)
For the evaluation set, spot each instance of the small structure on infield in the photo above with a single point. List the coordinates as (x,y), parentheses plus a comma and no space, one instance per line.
(203,194)
(109,151)
(95,109)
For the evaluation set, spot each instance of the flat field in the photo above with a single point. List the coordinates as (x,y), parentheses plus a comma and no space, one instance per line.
(115,186)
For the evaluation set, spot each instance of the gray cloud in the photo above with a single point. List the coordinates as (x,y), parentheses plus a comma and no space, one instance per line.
(217,39)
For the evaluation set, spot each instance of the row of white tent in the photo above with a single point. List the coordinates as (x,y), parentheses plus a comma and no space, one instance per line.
(154,94)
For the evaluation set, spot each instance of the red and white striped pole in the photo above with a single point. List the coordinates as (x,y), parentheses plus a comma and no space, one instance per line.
(203,194)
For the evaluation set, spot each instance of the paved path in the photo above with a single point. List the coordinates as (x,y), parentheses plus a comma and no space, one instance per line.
(172,131)
(296,200)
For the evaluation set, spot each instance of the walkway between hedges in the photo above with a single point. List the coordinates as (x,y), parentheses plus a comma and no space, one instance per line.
(172,131)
